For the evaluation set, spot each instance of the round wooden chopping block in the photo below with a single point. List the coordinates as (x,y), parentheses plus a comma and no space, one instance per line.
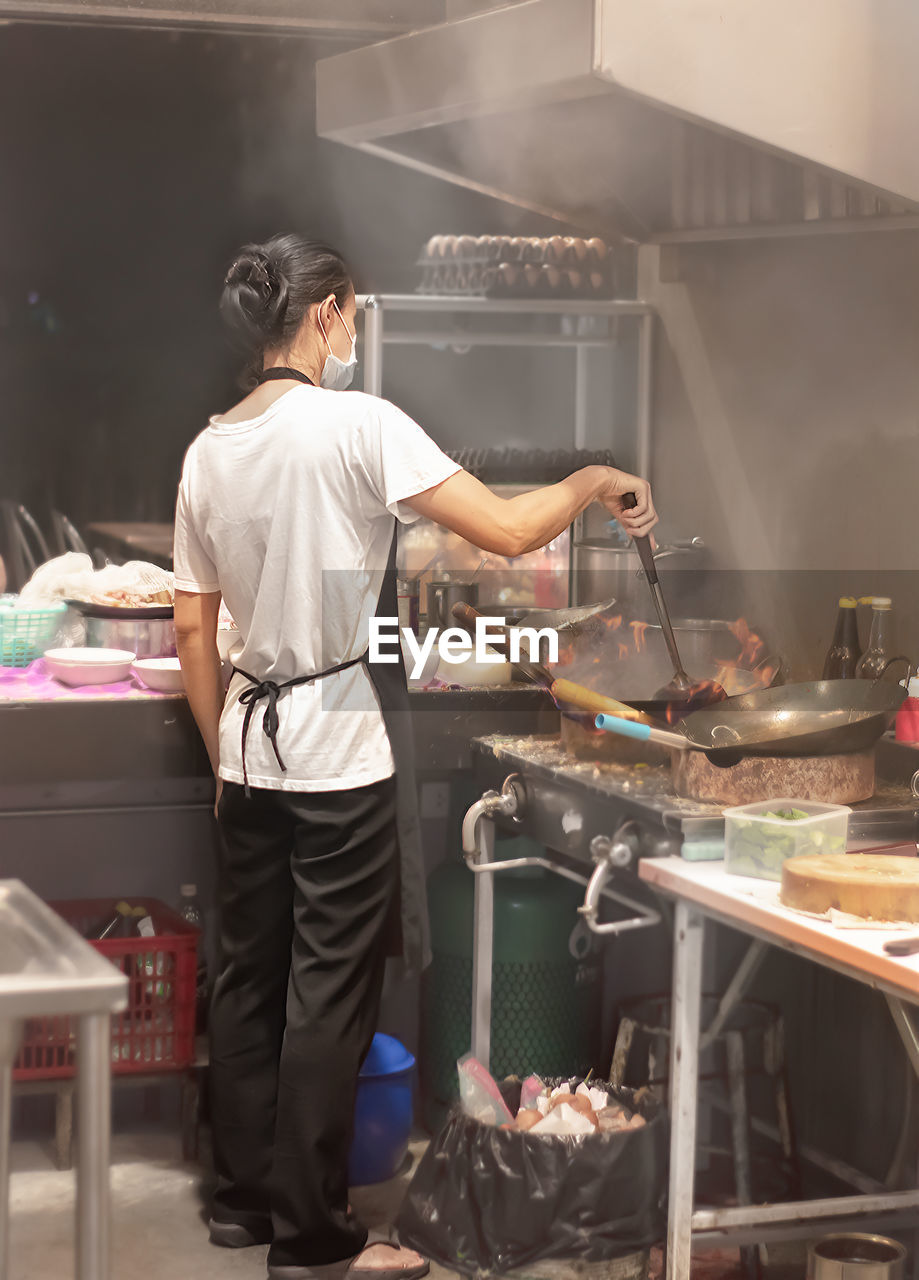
(830,779)
(875,886)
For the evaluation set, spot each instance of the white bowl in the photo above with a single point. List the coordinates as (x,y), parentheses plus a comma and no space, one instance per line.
(89,665)
(162,674)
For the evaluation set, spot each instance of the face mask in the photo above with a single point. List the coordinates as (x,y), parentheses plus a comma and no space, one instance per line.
(337,374)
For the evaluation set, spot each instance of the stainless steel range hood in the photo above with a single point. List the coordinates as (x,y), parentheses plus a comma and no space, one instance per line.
(654,119)
(338,20)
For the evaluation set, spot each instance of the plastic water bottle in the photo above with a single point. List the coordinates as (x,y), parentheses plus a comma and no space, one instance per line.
(190,907)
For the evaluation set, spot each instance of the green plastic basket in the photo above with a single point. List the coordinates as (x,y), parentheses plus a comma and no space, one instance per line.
(25,634)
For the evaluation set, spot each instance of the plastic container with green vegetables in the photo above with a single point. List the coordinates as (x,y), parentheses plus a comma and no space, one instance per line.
(759,837)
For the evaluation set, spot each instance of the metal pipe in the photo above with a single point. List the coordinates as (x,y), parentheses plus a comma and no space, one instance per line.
(647,915)
(644,393)
(10,1031)
(798,1210)
(461,339)
(688,937)
(581,383)
(94,1121)
(507,306)
(483,931)
(106,810)
(764,1233)
(373,345)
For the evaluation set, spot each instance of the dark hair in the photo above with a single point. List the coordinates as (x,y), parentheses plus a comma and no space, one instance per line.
(270,287)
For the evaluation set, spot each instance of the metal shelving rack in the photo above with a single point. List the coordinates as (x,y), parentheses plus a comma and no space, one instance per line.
(377,309)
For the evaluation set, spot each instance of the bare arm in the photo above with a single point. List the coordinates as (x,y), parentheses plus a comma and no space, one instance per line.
(513,526)
(196,642)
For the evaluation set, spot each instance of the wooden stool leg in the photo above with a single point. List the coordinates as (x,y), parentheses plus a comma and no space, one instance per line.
(624,1038)
(63,1125)
(740,1134)
(775,1069)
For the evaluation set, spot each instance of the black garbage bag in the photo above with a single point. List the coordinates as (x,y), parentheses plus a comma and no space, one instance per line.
(485,1199)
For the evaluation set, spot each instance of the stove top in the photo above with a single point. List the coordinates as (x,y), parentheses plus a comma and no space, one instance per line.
(568,802)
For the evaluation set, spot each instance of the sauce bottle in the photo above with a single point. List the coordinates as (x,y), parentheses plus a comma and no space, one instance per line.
(845,651)
(907,729)
(875,658)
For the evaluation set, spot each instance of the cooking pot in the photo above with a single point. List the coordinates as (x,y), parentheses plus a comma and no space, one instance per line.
(151,638)
(856,1257)
(701,641)
(602,568)
(442,596)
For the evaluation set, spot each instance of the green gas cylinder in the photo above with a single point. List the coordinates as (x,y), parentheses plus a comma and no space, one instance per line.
(546,978)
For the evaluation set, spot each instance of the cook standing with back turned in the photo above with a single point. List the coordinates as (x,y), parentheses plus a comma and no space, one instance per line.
(288,508)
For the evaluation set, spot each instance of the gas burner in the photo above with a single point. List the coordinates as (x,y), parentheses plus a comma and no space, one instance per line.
(568,804)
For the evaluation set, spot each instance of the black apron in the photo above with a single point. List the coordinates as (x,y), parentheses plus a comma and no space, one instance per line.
(389,681)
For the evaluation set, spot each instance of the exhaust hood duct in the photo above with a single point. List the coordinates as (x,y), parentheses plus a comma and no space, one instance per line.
(653,119)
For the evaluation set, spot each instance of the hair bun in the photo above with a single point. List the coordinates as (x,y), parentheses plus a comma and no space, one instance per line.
(254,295)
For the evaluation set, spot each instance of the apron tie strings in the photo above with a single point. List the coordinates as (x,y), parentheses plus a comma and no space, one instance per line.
(270,720)
(271,690)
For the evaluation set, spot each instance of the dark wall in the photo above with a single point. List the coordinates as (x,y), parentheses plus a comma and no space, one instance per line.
(133,164)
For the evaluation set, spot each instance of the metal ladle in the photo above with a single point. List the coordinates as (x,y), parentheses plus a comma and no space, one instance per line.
(682,686)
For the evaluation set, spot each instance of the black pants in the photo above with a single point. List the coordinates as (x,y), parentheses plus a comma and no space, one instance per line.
(305,891)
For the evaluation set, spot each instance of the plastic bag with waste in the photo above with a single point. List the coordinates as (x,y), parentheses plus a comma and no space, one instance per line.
(487,1199)
(480,1096)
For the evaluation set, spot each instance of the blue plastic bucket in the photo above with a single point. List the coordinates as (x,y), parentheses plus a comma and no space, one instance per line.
(382,1113)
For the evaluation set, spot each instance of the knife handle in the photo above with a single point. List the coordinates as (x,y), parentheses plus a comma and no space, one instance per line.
(902,946)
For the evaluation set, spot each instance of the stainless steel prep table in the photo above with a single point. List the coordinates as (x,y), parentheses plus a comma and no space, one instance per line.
(705,892)
(47,970)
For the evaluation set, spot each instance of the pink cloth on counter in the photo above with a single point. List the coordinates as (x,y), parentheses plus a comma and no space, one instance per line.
(35,684)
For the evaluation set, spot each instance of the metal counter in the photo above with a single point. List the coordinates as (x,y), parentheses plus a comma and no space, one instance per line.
(46,969)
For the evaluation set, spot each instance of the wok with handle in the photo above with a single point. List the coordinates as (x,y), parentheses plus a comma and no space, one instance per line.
(822,717)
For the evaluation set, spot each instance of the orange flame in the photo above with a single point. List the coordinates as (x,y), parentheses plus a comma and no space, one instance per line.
(638,634)
(751,646)
(623,651)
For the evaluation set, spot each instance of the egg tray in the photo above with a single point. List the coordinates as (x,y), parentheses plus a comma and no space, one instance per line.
(516,267)
(513,280)
(562,251)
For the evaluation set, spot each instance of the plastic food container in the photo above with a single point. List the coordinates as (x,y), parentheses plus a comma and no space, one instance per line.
(757,839)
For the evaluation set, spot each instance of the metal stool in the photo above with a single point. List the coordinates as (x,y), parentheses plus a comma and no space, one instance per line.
(743,1040)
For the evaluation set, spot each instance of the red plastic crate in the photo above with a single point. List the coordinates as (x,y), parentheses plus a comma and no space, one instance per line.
(157,1030)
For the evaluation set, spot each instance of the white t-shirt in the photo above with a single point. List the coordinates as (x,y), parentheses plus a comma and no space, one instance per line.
(290,516)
